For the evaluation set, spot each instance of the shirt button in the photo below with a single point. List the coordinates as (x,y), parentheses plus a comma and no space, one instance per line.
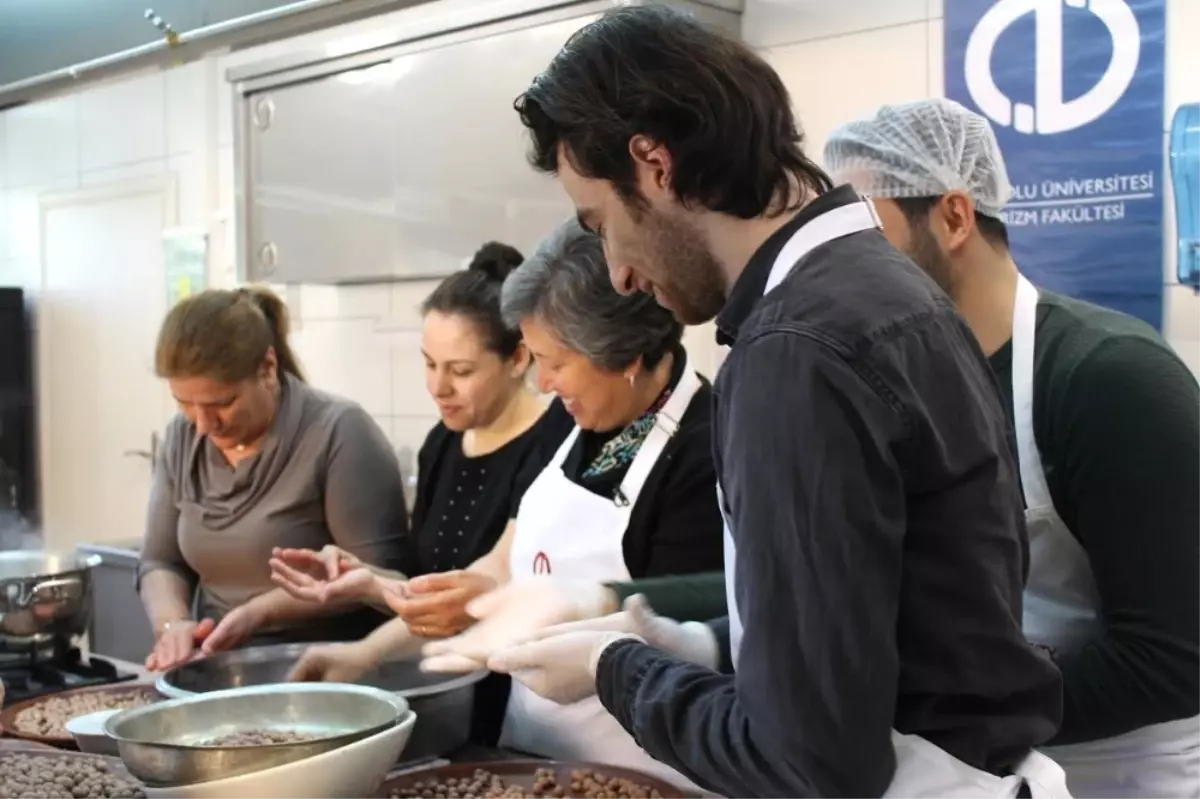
(440,532)
(456,550)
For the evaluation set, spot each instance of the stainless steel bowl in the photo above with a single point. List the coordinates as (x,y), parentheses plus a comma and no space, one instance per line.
(162,744)
(443,704)
(45,595)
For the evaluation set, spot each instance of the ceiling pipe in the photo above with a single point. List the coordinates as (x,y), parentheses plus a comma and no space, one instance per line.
(289,20)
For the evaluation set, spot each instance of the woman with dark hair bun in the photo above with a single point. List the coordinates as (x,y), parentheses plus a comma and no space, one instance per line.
(492,425)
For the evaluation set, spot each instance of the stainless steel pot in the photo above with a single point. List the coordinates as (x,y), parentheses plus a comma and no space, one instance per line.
(443,704)
(45,595)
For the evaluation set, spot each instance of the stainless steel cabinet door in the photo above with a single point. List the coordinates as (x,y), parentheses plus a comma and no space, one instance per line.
(399,169)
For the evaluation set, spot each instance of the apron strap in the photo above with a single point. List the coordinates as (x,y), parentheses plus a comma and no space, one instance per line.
(852,218)
(1033,477)
(564,449)
(666,424)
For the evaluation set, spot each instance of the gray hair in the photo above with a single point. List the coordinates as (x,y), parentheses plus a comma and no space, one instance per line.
(565,286)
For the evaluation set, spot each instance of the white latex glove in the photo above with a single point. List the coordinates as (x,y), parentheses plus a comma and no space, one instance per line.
(516,612)
(691,641)
(561,668)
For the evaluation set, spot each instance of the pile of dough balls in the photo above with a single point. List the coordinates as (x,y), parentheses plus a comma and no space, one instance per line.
(585,784)
(57,777)
(260,738)
(47,718)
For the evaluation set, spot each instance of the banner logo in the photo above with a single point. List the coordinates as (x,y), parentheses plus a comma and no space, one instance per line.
(1050,114)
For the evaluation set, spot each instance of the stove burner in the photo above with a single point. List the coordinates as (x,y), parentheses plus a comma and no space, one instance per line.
(31,678)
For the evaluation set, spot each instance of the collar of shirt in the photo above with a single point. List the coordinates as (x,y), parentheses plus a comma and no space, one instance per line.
(748,289)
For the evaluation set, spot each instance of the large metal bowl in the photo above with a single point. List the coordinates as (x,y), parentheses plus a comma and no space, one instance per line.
(443,704)
(163,744)
(45,595)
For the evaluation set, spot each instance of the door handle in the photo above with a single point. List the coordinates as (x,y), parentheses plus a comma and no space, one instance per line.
(149,454)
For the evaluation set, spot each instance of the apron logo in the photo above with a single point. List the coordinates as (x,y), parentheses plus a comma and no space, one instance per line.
(541,563)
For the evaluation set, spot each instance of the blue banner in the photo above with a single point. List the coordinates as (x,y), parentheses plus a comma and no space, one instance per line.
(1074,90)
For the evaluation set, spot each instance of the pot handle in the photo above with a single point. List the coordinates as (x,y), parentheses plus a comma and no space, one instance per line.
(37,593)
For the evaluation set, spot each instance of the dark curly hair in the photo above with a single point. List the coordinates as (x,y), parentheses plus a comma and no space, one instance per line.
(719,109)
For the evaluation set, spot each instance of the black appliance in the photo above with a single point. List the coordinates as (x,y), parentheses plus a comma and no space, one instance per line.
(18,430)
(28,674)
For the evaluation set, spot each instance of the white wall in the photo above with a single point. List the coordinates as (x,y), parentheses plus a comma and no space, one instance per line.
(838,59)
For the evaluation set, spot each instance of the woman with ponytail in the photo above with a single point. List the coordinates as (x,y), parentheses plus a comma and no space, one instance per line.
(256,460)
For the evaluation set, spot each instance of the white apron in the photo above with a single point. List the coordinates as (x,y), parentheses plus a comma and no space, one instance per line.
(565,530)
(1062,613)
(922,769)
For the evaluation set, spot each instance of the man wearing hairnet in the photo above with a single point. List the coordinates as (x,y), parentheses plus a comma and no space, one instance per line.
(1108,442)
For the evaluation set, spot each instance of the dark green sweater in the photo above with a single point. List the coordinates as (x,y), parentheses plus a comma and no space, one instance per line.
(1116,415)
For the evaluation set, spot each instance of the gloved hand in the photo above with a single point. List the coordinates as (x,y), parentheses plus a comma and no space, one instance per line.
(690,641)
(514,613)
(561,668)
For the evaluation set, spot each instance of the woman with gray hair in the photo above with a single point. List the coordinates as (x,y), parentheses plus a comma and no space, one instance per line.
(624,505)
(630,492)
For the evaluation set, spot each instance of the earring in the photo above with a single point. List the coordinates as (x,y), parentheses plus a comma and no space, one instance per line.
(630,378)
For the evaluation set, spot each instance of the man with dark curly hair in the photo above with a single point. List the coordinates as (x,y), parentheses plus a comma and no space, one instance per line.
(875,547)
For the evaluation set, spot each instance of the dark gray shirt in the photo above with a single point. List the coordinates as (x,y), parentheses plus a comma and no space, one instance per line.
(881,548)
(325,475)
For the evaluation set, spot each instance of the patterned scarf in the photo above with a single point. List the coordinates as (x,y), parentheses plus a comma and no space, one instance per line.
(619,451)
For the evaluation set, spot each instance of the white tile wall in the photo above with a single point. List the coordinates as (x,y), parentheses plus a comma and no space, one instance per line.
(772,23)
(123,122)
(41,143)
(188,104)
(839,60)
(830,83)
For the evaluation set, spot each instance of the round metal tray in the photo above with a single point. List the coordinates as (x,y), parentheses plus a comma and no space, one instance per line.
(520,773)
(8,718)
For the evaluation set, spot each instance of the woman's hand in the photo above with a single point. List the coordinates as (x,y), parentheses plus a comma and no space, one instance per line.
(177,642)
(435,605)
(330,575)
(333,663)
(234,629)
